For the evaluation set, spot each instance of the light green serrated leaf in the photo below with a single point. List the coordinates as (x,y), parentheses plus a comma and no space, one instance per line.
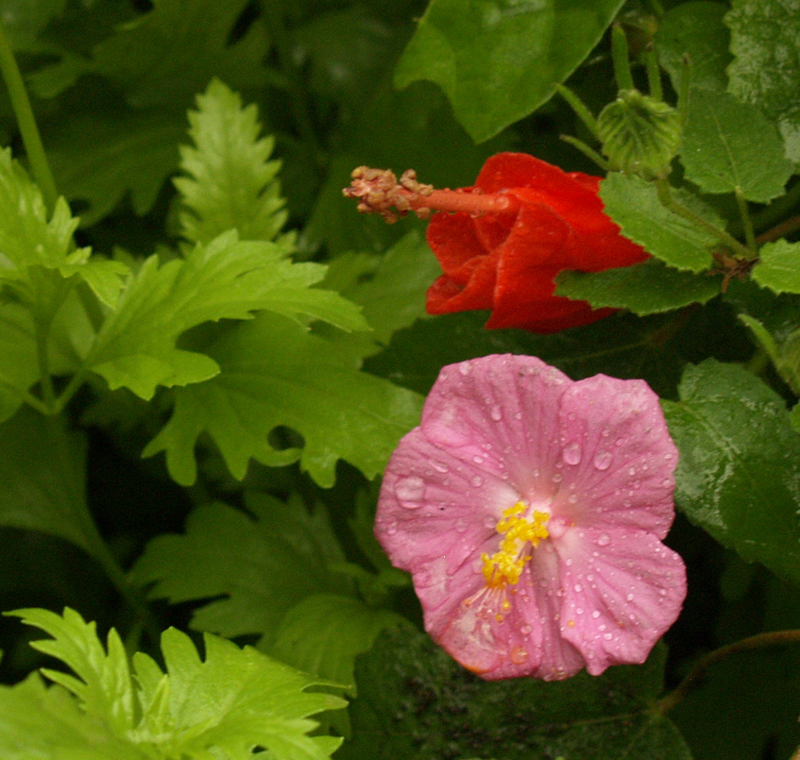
(647,288)
(230,182)
(739,464)
(696,30)
(415,702)
(275,373)
(719,148)
(227,279)
(778,267)
(42,479)
(765,42)
(228,704)
(322,634)
(499,61)
(634,205)
(263,565)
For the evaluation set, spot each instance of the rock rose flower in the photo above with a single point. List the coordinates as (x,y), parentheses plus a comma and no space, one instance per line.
(530,511)
(502,242)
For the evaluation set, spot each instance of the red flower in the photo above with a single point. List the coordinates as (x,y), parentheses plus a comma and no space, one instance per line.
(502,242)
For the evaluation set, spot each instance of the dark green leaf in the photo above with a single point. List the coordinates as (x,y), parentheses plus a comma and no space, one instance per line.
(696,30)
(42,479)
(765,42)
(719,148)
(499,60)
(647,288)
(262,565)
(99,159)
(778,267)
(415,703)
(276,373)
(323,633)
(634,205)
(739,464)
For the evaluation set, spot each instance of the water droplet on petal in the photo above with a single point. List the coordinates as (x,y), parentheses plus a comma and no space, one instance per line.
(578,588)
(518,655)
(602,460)
(477,481)
(603,539)
(572,453)
(410,491)
(461,525)
(525,629)
(596,614)
(608,636)
(496,413)
(477,459)
(439,466)
(557,477)
(465,368)
(629,597)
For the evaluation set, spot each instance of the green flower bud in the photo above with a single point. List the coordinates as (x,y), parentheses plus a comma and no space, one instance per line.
(640,135)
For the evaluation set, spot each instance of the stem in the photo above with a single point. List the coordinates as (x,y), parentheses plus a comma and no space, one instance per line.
(619,55)
(587,151)
(665,196)
(747,222)
(581,111)
(778,209)
(653,74)
(780,230)
(683,95)
(696,674)
(72,387)
(27,124)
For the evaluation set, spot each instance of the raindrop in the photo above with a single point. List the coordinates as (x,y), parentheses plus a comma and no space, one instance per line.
(596,614)
(518,416)
(608,636)
(489,522)
(496,413)
(557,477)
(391,529)
(525,630)
(461,525)
(410,489)
(578,588)
(572,453)
(629,597)
(602,460)
(465,368)
(518,655)
(477,459)
(579,610)
(439,466)
(573,499)
(477,481)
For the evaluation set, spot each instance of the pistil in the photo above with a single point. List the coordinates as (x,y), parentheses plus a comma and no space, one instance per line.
(379,192)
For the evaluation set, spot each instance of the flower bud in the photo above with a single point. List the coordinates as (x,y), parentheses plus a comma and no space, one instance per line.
(640,135)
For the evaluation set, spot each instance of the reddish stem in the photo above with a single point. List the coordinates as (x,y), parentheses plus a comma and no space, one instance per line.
(378,192)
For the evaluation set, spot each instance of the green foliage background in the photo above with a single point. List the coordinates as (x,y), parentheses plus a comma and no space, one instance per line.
(207,357)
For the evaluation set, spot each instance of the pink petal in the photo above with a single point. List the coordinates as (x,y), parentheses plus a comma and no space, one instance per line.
(502,409)
(527,641)
(618,457)
(435,508)
(622,590)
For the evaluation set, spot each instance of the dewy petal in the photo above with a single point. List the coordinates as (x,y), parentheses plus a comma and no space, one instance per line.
(501,412)
(619,459)
(622,590)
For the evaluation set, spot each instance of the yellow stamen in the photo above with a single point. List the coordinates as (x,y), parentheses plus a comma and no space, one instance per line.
(505,566)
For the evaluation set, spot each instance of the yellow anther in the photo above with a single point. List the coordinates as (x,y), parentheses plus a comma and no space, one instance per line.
(505,566)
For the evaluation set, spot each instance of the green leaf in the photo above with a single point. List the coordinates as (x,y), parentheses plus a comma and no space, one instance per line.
(719,152)
(778,267)
(634,205)
(696,30)
(647,288)
(167,55)
(765,42)
(275,373)
(414,703)
(231,185)
(739,464)
(391,288)
(36,252)
(499,61)
(323,633)
(42,479)
(98,159)
(263,565)
(223,706)
(227,279)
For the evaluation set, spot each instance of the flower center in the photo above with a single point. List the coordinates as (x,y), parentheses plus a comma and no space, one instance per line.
(505,566)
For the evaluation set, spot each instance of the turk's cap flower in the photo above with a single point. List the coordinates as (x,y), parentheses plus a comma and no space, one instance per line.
(502,242)
(530,511)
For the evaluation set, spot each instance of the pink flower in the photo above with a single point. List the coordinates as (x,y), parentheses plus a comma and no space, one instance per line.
(530,511)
